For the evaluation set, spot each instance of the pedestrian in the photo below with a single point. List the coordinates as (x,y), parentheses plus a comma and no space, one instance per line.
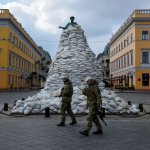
(66,94)
(93,104)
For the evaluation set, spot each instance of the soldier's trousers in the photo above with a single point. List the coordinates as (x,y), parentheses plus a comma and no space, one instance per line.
(92,117)
(67,107)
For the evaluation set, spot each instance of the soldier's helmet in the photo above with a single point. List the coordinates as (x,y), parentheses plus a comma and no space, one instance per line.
(65,79)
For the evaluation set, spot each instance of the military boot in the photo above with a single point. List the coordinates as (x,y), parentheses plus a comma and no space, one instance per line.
(85,132)
(73,122)
(100,131)
(62,124)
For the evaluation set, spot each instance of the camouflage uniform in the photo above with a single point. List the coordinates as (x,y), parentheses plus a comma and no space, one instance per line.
(66,93)
(93,103)
(99,102)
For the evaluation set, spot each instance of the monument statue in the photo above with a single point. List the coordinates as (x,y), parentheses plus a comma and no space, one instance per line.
(72,23)
(75,59)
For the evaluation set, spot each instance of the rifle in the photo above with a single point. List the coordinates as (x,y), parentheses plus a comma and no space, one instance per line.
(58,95)
(101,116)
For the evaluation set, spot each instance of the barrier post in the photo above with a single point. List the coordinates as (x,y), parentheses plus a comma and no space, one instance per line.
(141,107)
(129,102)
(47,114)
(5,106)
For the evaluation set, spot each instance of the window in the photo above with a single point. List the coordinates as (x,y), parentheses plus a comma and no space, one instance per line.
(145,57)
(131,55)
(145,79)
(127,59)
(118,64)
(107,63)
(16,42)
(22,46)
(19,44)
(16,63)
(121,62)
(121,45)
(116,49)
(14,38)
(131,37)
(124,61)
(144,35)
(9,59)
(10,37)
(13,64)
(125,41)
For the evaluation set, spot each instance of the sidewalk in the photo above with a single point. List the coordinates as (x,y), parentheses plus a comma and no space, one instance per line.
(132,91)
(35,132)
(20,90)
(39,133)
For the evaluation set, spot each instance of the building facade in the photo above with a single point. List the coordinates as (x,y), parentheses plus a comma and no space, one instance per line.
(104,63)
(20,57)
(130,52)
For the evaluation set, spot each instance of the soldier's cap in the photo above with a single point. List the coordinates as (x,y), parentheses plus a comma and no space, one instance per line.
(88,78)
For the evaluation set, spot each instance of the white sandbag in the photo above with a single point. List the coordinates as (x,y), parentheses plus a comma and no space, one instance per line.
(75,58)
(27,110)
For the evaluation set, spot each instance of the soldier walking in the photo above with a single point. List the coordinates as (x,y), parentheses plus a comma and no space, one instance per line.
(66,94)
(93,104)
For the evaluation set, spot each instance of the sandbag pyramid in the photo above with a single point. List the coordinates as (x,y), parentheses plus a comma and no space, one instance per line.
(75,59)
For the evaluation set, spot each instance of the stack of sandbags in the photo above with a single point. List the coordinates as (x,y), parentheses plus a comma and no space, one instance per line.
(77,60)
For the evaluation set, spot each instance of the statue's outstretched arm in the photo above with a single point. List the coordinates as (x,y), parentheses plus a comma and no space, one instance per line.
(60,27)
(66,27)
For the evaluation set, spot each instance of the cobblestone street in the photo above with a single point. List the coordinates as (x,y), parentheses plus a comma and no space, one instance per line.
(39,133)
(74,75)
(36,132)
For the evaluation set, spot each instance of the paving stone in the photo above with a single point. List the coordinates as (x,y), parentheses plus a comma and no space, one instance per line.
(36,132)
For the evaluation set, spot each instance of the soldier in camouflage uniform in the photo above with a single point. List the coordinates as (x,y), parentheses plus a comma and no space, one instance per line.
(66,94)
(93,103)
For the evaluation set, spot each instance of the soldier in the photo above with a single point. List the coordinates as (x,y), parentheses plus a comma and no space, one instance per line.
(66,94)
(95,83)
(93,103)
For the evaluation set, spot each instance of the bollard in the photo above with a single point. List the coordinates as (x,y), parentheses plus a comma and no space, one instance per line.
(23,99)
(5,106)
(129,102)
(141,107)
(47,114)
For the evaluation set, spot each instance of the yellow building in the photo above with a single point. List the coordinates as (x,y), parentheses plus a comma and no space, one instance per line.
(130,52)
(19,55)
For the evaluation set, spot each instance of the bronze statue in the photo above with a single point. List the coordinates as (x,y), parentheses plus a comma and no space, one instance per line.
(72,23)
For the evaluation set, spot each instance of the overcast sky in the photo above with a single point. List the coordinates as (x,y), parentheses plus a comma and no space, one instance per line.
(98,18)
